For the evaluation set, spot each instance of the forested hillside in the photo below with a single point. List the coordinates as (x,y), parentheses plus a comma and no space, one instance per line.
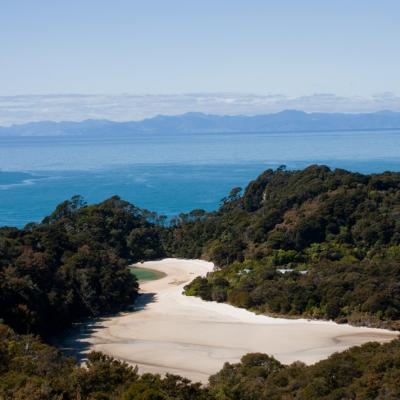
(74,264)
(318,242)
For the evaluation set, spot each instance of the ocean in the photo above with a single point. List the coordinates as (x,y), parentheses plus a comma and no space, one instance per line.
(169,173)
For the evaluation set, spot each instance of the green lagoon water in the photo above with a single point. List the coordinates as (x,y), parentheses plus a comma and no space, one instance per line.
(146,274)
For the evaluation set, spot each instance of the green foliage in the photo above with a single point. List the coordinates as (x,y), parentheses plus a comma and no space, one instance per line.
(363,293)
(342,228)
(293,210)
(74,264)
(317,243)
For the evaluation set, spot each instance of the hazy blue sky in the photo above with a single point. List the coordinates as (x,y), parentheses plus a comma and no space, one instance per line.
(157,47)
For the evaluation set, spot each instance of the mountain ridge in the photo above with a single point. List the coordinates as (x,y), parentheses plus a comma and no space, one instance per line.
(196,122)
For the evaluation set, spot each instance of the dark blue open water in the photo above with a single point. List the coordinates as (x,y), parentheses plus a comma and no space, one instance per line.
(169,173)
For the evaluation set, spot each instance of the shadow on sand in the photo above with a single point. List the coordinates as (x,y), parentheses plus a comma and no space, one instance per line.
(75,342)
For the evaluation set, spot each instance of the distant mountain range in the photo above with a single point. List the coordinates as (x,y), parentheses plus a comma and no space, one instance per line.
(285,121)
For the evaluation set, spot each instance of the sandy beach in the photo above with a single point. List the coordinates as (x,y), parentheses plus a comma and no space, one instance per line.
(170,332)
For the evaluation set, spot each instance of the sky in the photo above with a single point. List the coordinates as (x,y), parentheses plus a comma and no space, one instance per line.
(294,49)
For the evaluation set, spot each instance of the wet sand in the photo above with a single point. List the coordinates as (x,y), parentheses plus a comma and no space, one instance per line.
(170,332)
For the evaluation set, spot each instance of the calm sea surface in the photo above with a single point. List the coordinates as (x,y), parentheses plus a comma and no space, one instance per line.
(169,173)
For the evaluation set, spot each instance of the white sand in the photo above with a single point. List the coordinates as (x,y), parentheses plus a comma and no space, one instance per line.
(193,338)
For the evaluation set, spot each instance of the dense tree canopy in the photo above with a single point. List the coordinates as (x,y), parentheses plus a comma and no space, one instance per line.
(291,210)
(336,234)
(74,264)
(316,242)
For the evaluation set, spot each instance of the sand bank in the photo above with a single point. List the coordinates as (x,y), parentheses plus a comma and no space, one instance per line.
(170,332)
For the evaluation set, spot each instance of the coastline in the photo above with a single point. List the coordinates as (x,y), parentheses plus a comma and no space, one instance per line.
(171,332)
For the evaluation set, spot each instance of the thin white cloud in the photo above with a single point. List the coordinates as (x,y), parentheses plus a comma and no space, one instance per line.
(125,107)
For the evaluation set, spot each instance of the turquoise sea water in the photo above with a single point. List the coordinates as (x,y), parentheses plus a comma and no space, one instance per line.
(169,173)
